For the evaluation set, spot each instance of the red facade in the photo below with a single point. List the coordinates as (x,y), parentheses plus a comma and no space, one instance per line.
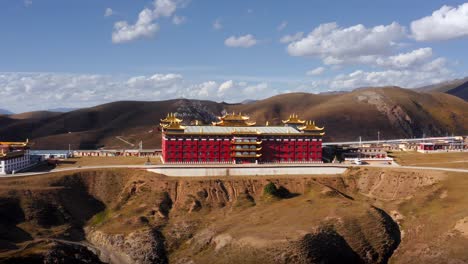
(181,148)
(235,139)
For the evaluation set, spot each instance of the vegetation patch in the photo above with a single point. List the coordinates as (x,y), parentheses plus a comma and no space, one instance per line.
(100,217)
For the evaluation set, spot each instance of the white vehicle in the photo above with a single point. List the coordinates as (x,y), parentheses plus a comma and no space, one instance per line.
(357,162)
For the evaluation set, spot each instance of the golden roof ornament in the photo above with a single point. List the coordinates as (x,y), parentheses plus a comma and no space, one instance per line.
(170,118)
(294,120)
(310,127)
(237,120)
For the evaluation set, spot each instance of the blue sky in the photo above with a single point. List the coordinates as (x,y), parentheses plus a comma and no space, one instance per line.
(82,53)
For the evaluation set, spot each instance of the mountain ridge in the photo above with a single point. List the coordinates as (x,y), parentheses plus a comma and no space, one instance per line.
(395,112)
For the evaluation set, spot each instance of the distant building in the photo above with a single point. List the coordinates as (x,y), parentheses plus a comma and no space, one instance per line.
(236,139)
(443,146)
(368,153)
(51,154)
(14,156)
(118,152)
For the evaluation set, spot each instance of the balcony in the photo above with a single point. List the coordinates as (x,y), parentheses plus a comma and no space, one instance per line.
(245,154)
(246,148)
(245,142)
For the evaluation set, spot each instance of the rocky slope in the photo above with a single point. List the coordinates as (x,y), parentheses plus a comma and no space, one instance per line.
(128,216)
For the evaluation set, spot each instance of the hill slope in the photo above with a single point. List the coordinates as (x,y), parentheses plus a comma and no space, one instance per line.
(393,111)
(5,112)
(460,91)
(134,216)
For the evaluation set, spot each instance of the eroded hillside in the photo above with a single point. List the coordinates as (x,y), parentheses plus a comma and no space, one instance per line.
(128,216)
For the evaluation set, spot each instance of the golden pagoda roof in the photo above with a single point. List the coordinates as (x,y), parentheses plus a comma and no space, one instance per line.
(233,119)
(294,120)
(311,127)
(173,126)
(15,144)
(171,117)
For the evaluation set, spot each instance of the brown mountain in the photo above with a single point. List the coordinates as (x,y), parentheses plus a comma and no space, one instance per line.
(460,91)
(457,87)
(393,111)
(443,86)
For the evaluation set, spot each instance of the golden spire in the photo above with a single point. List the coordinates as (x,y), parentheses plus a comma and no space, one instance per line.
(310,127)
(233,119)
(170,118)
(293,120)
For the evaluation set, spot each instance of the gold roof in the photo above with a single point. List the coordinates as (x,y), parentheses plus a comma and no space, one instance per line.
(173,126)
(234,119)
(10,144)
(171,117)
(15,144)
(311,127)
(294,120)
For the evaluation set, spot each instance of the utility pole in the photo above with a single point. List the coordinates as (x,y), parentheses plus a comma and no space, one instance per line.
(378,137)
(360,141)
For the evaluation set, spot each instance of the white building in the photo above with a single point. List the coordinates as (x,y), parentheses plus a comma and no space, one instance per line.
(14,156)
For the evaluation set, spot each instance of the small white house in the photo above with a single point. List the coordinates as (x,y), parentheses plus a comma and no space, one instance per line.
(14,156)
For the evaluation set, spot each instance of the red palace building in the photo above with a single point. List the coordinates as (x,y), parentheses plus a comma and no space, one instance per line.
(235,139)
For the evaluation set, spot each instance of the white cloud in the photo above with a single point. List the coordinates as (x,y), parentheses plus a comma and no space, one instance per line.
(145,27)
(178,20)
(316,71)
(245,41)
(49,90)
(108,12)
(291,38)
(446,23)
(217,24)
(282,26)
(337,45)
(225,86)
(406,60)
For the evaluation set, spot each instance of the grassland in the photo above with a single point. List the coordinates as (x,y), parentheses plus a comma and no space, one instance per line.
(444,160)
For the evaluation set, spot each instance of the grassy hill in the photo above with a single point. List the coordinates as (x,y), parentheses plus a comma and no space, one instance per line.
(393,111)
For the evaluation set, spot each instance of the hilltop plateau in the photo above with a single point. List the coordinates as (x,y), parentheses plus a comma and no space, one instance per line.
(367,215)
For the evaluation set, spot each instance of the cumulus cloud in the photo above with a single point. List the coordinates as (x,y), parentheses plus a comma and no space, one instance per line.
(446,23)
(336,45)
(49,90)
(316,71)
(282,26)
(178,20)
(217,24)
(406,60)
(245,41)
(291,38)
(225,86)
(404,78)
(145,26)
(108,12)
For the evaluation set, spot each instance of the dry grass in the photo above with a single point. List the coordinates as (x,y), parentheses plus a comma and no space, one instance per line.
(98,161)
(443,160)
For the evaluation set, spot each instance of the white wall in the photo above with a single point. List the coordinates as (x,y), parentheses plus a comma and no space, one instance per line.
(15,164)
(201,172)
